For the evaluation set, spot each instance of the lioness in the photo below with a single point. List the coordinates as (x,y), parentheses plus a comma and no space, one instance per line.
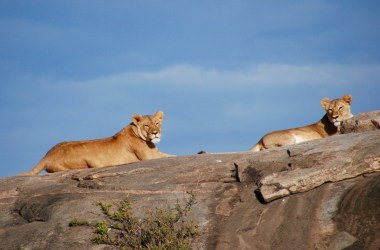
(136,142)
(337,110)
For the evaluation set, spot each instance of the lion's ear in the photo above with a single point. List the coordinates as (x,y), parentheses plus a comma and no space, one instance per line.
(325,103)
(347,98)
(136,118)
(159,115)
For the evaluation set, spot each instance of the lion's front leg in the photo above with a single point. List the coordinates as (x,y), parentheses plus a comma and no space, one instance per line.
(151,154)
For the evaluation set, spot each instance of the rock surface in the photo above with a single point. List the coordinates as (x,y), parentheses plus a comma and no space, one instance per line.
(362,122)
(35,211)
(310,165)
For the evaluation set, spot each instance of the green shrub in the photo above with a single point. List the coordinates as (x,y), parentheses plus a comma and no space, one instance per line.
(158,229)
(76,222)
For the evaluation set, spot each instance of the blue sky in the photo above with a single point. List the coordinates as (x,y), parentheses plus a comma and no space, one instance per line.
(224,72)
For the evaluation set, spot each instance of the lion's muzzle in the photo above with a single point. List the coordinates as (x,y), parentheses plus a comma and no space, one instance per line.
(155,137)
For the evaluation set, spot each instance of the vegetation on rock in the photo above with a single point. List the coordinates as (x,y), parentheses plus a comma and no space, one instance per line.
(159,228)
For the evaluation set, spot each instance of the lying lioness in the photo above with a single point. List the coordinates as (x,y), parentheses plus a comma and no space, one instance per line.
(136,142)
(337,110)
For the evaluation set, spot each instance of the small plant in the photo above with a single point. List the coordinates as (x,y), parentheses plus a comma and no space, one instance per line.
(76,222)
(101,233)
(159,228)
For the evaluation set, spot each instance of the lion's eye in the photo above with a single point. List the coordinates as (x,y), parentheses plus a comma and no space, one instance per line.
(146,126)
(340,108)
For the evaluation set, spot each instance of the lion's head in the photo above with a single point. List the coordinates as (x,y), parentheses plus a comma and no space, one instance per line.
(338,110)
(149,126)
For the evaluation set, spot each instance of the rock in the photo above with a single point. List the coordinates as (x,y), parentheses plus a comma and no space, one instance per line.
(362,122)
(359,214)
(230,202)
(312,165)
(347,157)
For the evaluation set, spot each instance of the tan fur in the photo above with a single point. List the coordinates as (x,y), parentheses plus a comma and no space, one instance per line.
(133,143)
(337,110)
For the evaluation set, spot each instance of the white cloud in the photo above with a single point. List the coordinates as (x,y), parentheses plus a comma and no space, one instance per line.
(262,74)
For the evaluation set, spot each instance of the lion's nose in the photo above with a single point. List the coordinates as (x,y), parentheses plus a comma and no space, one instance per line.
(335,116)
(155,132)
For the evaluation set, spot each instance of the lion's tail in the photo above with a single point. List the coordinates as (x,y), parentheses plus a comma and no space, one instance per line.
(36,170)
